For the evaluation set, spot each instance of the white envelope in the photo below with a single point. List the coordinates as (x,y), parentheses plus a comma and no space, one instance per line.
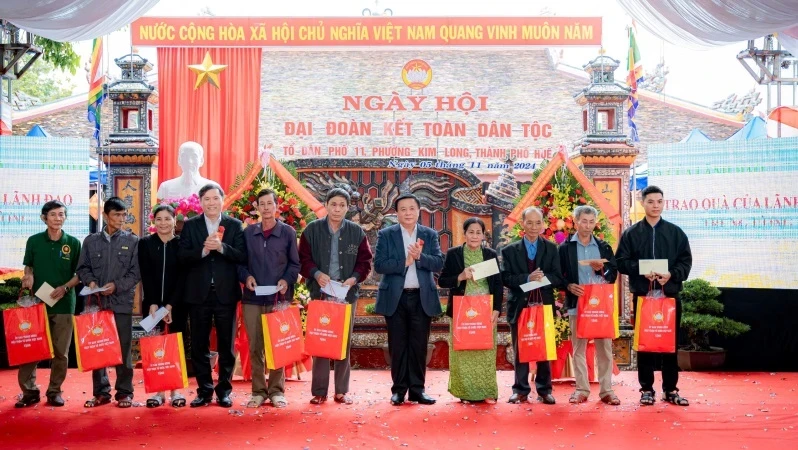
(485,269)
(335,289)
(526,287)
(586,262)
(653,265)
(265,290)
(87,291)
(148,323)
(44,294)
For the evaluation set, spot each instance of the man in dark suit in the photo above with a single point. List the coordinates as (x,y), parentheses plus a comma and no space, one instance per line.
(530,259)
(211,247)
(407,255)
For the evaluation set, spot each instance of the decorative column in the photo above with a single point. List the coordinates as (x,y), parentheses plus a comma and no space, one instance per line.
(131,147)
(605,154)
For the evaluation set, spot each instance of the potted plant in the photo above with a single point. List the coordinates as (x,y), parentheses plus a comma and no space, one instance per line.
(702,314)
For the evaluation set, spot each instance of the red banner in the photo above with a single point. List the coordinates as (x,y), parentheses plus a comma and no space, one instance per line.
(27,335)
(655,325)
(472,328)
(365,31)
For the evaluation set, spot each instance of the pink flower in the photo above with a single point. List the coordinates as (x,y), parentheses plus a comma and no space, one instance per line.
(559,237)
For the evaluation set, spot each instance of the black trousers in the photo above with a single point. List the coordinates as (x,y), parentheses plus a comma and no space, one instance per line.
(408,335)
(203,317)
(648,362)
(542,374)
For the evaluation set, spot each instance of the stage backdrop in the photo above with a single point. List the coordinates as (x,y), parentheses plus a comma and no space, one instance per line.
(33,171)
(738,203)
(469,107)
(223,120)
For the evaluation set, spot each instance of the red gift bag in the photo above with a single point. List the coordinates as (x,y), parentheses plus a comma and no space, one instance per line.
(536,340)
(472,328)
(96,341)
(327,329)
(282,337)
(163,361)
(27,335)
(655,325)
(597,313)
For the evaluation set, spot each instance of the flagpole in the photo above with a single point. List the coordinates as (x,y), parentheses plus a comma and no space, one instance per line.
(634,191)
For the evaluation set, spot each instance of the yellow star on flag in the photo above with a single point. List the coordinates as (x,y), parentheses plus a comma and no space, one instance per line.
(207,71)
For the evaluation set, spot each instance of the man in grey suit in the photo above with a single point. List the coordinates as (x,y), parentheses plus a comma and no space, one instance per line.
(407,255)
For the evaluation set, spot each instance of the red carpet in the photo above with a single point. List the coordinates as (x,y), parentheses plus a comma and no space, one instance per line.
(728,411)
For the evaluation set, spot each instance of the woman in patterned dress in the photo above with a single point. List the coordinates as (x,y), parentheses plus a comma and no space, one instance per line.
(472,373)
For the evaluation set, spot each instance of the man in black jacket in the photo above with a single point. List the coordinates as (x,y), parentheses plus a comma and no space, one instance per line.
(656,238)
(530,259)
(211,247)
(584,246)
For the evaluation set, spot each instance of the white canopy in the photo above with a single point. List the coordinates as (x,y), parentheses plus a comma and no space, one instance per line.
(73,20)
(713,22)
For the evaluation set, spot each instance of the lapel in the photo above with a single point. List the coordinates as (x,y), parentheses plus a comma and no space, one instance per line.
(460,257)
(203,233)
(398,241)
(541,248)
(573,265)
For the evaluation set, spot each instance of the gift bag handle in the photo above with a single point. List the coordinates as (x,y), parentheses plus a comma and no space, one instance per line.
(538,299)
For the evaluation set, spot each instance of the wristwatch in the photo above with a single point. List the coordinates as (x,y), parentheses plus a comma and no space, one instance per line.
(66,289)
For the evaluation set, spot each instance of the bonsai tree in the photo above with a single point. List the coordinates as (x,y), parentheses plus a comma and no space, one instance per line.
(702,314)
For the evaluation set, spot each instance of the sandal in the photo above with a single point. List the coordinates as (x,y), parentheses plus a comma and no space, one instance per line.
(647,399)
(577,397)
(97,401)
(279,401)
(178,401)
(343,398)
(317,400)
(124,402)
(611,399)
(155,401)
(255,401)
(675,398)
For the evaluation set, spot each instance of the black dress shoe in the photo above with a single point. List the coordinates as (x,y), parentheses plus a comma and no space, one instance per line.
(201,401)
(397,399)
(547,399)
(225,401)
(422,398)
(518,398)
(24,402)
(55,400)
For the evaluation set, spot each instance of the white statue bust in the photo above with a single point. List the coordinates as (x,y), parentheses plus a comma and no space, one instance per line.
(190,157)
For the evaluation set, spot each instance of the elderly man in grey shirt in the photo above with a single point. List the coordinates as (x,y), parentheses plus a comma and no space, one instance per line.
(109,260)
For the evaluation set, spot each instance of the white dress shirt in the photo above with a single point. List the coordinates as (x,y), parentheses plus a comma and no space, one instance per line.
(411,277)
(212,227)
